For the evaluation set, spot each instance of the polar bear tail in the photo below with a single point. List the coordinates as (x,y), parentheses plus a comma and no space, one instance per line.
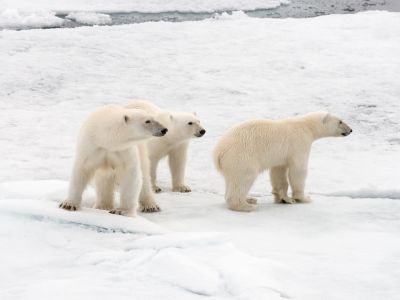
(218,154)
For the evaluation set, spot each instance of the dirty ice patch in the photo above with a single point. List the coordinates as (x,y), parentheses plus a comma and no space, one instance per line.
(88,18)
(150,6)
(15,19)
(235,15)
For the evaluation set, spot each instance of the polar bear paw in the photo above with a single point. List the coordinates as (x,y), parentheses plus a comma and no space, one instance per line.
(305,199)
(287,200)
(67,205)
(156,189)
(121,212)
(149,207)
(251,200)
(245,207)
(182,189)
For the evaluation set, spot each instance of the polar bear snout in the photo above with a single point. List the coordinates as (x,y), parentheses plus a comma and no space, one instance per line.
(347,132)
(200,133)
(156,128)
(161,132)
(164,131)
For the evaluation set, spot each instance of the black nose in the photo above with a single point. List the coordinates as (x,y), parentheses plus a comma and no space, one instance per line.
(351,130)
(164,131)
(202,132)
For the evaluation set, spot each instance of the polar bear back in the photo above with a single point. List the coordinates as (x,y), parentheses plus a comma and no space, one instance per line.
(144,105)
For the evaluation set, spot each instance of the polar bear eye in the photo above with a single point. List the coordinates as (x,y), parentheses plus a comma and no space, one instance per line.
(340,122)
(148,122)
(190,123)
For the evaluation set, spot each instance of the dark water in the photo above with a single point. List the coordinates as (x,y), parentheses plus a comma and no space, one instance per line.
(295,9)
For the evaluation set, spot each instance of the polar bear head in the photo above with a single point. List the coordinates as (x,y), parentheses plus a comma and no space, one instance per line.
(187,125)
(334,126)
(142,125)
(181,125)
(115,128)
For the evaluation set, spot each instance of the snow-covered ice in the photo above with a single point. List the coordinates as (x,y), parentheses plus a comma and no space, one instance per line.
(89,18)
(15,19)
(228,69)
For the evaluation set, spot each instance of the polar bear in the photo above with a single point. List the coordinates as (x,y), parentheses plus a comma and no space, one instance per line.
(282,146)
(106,150)
(182,127)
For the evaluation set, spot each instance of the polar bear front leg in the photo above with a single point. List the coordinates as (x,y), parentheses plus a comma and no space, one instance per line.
(146,198)
(177,163)
(280,185)
(78,182)
(297,180)
(130,187)
(236,191)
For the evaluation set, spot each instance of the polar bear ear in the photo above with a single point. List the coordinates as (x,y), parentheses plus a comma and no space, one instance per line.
(126,119)
(195,114)
(326,118)
(171,117)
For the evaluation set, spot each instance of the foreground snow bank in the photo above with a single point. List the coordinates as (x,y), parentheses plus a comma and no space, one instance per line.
(153,6)
(98,255)
(195,247)
(15,19)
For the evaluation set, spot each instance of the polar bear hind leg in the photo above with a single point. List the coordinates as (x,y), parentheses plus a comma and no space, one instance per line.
(105,186)
(237,189)
(297,180)
(130,187)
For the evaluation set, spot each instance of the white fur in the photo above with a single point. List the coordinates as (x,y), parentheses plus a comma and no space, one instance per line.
(174,145)
(107,150)
(282,146)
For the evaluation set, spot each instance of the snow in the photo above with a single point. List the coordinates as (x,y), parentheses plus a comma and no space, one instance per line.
(15,19)
(370,192)
(88,18)
(153,6)
(228,69)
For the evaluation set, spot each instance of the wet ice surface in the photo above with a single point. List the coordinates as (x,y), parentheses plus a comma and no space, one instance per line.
(229,69)
(293,9)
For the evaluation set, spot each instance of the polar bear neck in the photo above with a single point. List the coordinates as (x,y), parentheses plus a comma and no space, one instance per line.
(314,124)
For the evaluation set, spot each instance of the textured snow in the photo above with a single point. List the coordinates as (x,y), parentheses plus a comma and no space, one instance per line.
(228,69)
(15,19)
(89,18)
(139,5)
